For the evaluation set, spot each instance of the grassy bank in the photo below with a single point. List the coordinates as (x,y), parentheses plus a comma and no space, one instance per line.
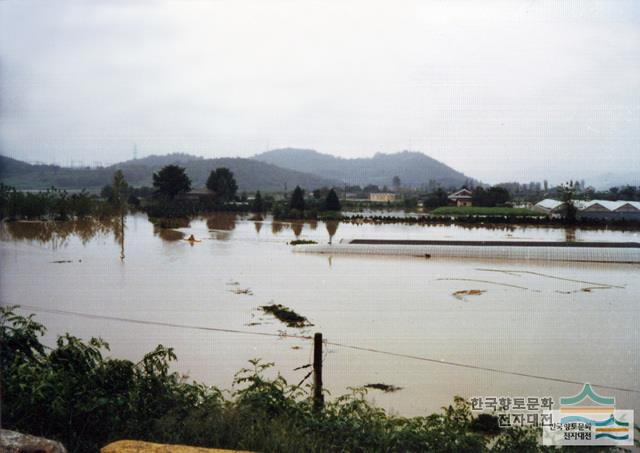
(483,211)
(74,394)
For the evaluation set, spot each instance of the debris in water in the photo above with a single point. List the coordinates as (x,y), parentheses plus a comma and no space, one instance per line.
(296,347)
(63,261)
(286,315)
(233,283)
(253,324)
(467,292)
(384,387)
(192,239)
(246,291)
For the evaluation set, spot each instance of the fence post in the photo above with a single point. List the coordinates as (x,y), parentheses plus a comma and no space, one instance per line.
(318,396)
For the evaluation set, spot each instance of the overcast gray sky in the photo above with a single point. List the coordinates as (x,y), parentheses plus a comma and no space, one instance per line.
(501,90)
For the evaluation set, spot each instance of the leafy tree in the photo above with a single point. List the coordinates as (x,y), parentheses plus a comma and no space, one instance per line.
(257,206)
(493,196)
(222,182)
(170,181)
(120,188)
(436,199)
(321,193)
(568,192)
(410,203)
(332,203)
(297,199)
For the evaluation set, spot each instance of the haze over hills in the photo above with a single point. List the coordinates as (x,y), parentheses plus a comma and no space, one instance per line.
(268,171)
(250,174)
(414,169)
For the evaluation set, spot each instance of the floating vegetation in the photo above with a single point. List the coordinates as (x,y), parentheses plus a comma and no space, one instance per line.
(386,388)
(302,242)
(286,315)
(460,295)
(245,291)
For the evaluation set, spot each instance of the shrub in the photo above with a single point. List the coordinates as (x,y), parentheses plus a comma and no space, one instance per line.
(76,395)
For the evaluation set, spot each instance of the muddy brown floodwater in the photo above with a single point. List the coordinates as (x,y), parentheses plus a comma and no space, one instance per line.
(576,322)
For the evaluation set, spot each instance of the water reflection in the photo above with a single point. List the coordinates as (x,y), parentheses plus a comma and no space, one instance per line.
(57,233)
(277,227)
(297,228)
(222,223)
(332,227)
(167,234)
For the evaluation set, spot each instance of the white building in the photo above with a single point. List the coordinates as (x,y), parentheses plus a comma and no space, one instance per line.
(594,209)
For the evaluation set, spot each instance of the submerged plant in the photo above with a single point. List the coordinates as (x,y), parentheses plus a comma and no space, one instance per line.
(286,315)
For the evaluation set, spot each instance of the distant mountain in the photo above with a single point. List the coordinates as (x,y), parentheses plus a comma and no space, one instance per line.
(414,169)
(250,174)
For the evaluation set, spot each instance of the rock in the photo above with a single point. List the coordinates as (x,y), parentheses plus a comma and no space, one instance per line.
(134,446)
(15,442)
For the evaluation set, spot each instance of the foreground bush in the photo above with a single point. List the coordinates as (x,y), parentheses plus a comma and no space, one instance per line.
(72,393)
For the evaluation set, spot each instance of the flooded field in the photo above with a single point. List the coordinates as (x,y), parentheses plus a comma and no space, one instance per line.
(569,322)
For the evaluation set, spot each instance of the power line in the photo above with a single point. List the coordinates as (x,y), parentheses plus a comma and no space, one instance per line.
(162,324)
(340,345)
(478,367)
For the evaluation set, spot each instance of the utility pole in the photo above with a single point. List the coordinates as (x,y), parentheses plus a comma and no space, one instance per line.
(318,396)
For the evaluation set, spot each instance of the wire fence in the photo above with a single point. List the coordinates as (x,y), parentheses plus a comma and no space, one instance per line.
(327,342)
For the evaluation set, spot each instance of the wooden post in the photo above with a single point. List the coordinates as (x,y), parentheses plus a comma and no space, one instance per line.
(318,396)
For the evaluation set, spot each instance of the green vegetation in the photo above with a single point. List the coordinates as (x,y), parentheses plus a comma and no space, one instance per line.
(258,204)
(173,200)
(490,197)
(297,200)
(50,204)
(286,315)
(324,204)
(436,199)
(483,211)
(223,184)
(568,194)
(302,242)
(74,394)
(332,203)
(250,174)
(171,181)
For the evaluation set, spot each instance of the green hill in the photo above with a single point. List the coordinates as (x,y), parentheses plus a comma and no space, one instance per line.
(250,174)
(414,169)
